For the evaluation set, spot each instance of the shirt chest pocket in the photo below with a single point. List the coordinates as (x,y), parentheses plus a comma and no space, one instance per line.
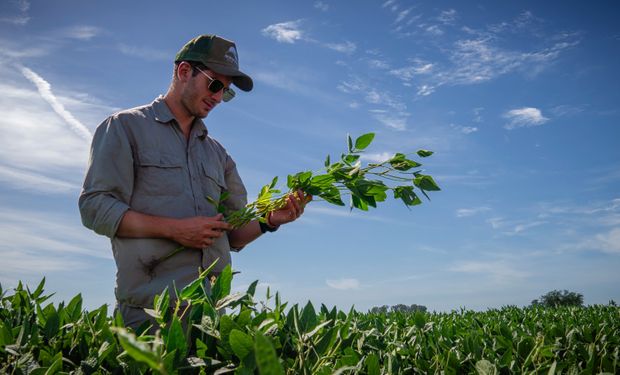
(212,181)
(160,174)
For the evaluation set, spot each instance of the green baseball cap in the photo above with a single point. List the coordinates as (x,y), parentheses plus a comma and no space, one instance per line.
(217,54)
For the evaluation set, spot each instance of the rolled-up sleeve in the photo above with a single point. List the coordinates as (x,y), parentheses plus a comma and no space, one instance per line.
(109,180)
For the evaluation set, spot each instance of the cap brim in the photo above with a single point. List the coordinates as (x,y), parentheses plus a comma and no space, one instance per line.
(239,79)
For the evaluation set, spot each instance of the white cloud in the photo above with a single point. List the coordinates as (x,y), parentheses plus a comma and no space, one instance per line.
(408,73)
(524,117)
(343,284)
(145,53)
(19,19)
(81,32)
(425,90)
(447,16)
(466,212)
(464,129)
(402,15)
(478,114)
(45,90)
(496,222)
(35,182)
(321,6)
(396,121)
(346,47)
(522,227)
(377,157)
(23,5)
(15,20)
(499,271)
(378,64)
(285,32)
(434,30)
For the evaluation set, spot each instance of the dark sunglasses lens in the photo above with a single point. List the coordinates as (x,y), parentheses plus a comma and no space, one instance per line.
(215,86)
(228,95)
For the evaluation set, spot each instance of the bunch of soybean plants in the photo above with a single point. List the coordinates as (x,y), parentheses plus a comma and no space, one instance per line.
(209,330)
(365,184)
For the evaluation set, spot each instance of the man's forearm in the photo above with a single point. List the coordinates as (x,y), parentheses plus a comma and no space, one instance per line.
(138,225)
(240,237)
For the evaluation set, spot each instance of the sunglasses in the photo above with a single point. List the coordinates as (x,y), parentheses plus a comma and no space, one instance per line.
(216,85)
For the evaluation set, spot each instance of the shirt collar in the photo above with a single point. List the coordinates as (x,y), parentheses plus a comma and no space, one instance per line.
(164,115)
(161,110)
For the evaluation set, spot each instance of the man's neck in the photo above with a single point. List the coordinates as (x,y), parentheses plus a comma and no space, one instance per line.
(184,119)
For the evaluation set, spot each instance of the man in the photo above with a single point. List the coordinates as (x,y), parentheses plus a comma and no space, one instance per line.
(154,173)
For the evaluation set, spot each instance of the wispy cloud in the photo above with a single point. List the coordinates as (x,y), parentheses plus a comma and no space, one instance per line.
(467,212)
(377,157)
(284,32)
(346,47)
(322,6)
(82,32)
(395,121)
(45,90)
(343,284)
(145,53)
(35,182)
(524,117)
(464,129)
(447,16)
(21,18)
(608,242)
(499,271)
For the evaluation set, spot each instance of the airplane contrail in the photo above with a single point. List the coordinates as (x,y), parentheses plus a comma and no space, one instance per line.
(45,90)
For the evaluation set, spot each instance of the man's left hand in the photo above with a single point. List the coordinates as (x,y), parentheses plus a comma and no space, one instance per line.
(295,204)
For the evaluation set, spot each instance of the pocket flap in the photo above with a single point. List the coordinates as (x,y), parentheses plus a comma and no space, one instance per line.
(215,174)
(158,159)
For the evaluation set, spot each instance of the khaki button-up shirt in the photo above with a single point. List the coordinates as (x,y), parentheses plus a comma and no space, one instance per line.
(141,161)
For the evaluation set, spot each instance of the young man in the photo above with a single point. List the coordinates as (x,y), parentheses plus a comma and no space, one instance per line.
(153,173)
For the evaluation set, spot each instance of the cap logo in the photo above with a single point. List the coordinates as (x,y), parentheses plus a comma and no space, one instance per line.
(231,56)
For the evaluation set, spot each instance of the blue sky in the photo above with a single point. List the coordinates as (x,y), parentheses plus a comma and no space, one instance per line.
(519,101)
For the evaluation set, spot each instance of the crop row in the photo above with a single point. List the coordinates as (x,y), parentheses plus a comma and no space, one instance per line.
(209,330)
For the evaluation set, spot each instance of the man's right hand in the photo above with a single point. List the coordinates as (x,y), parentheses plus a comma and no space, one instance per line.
(200,231)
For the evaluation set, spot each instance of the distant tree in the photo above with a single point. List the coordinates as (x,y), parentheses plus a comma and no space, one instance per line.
(612,303)
(398,308)
(556,298)
(379,309)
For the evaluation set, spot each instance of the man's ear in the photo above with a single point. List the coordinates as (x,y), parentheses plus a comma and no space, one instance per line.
(184,71)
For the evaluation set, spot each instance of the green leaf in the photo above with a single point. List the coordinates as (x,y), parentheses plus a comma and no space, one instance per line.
(73,311)
(6,336)
(406,194)
(37,291)
(252,288)
(372,365)
(175,338)
(56,365)
(308,318)
(52,324)
(350,159)
(266,358)
(241,343)
(484,367)
(424,153)
(425,182)
(195,289)
(222,285)
(327,161)
(273,182)
(349,143)
(364,140)
(138,350)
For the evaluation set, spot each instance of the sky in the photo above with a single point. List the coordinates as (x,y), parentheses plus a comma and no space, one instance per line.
(519,100)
